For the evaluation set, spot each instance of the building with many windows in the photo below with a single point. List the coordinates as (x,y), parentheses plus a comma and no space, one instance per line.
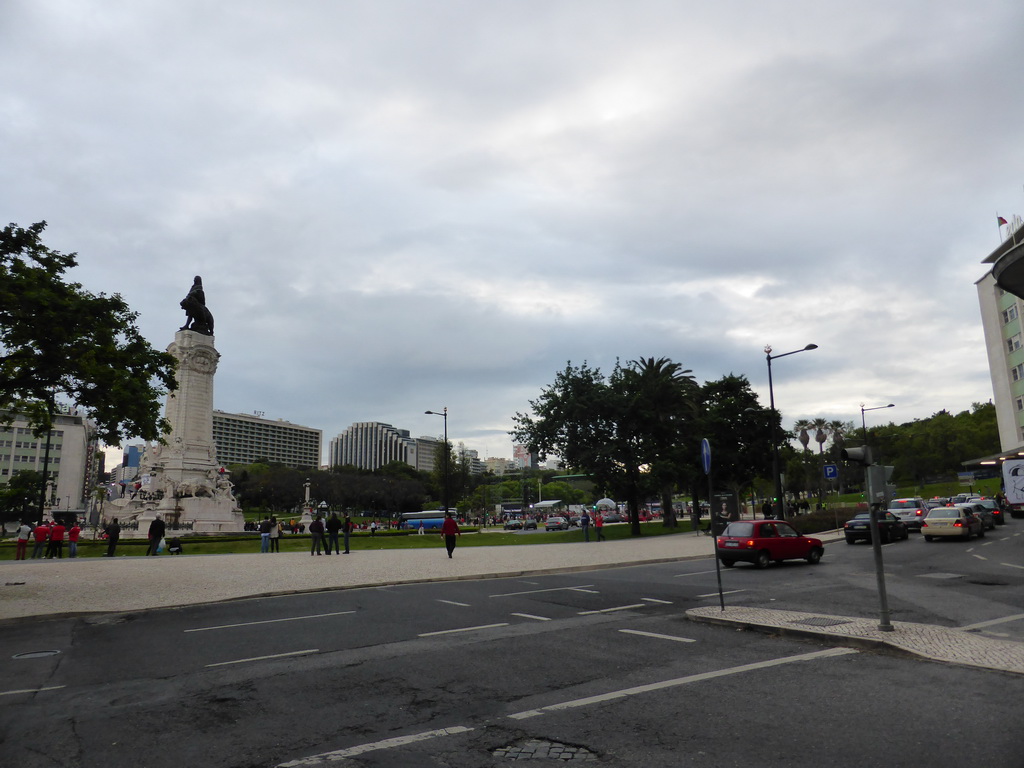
(244,439)
(1001,314)
(372,445)
(71,463)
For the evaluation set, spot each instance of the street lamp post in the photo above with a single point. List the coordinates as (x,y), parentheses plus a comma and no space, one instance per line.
(779,506)
(863,423)
(444,491)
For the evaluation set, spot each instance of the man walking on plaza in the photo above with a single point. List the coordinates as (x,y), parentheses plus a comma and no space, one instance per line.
(599,525)
(333,526)
(73,533)
(316,532)
(449,529)
(156,535)
(585,525)
(346,527)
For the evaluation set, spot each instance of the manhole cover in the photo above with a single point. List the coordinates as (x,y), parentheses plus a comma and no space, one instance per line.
(35,654)
(821,621)
(535,749)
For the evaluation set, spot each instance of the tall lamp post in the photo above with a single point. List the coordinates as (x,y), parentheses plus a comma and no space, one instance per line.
(779,506)
(444,491)
(863,423)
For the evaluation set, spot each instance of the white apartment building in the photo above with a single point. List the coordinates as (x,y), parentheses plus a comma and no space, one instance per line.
(72,465)
(244,439)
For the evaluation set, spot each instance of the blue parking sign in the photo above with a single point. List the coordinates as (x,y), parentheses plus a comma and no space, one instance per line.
(831,471)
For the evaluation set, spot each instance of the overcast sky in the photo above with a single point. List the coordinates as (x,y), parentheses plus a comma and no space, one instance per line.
(403,206)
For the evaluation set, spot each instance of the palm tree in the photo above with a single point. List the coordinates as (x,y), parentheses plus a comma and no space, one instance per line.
(663,407)
(803,427)
(820,426)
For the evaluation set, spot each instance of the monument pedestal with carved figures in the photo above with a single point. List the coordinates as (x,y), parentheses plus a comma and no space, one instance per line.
(181,480)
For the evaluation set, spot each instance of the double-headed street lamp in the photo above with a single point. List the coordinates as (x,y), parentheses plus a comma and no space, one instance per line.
(444,491)
(779,506)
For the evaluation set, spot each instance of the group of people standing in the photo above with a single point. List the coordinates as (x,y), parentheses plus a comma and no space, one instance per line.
(49,538)
(325,534)
(598,525)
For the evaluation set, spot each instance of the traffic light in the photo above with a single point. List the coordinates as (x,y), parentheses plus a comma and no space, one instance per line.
(861,455)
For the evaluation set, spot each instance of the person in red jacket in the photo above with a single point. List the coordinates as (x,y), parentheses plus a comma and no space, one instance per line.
(449,529)
(56,540)
(41,533)
(73,533)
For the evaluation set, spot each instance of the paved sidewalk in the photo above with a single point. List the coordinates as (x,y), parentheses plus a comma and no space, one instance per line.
(945,644)
(109,585)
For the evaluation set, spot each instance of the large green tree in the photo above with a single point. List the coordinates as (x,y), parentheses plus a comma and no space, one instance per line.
(60,342)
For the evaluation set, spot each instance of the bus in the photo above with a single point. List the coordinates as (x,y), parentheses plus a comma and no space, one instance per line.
(431,520)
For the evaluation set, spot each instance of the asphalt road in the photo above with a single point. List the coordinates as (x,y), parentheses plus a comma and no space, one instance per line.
(470,673)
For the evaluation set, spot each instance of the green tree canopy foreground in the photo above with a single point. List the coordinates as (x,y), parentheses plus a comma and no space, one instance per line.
(58,340)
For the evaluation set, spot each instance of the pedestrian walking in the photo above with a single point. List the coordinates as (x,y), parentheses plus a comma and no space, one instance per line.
(316,531)
(156,535)
(346,527)
(449,529)
(585,525)
(599,526)
(373,527)
(73,533)
(333,528)
(421,528)
(56,547)
(766,510)
(265,535)
(275,535)
(113,531)
(24,534)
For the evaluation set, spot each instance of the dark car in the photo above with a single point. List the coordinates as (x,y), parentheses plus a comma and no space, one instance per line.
(612,517)
(988,520)
(515,524)
(998,513)
(765,541)
(556,523)
(530,524)
(890,528)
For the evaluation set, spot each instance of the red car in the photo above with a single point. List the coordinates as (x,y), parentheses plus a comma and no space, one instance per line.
(765,541)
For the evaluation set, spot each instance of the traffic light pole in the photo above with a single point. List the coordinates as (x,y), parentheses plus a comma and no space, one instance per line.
(871,478)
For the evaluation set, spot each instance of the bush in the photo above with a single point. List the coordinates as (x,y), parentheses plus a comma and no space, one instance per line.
(824,519)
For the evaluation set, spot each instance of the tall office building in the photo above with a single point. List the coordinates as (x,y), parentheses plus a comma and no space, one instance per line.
(371,445)
(244,439)
(72,464)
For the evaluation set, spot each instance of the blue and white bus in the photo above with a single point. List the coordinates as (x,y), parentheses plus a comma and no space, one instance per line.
(431,520)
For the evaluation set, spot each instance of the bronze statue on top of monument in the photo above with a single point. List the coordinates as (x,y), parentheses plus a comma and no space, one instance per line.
(197,316)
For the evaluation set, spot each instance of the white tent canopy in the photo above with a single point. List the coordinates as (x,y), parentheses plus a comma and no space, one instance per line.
(606,504)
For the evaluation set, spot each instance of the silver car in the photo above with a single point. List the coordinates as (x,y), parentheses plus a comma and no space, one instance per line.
(911,511)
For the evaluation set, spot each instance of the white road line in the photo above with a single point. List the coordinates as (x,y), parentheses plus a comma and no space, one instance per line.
(657,636)
(612,610)
(980,557)
(32,690)
(588,591)
(1013,565)
(612,695)
(993,622)
(539,591)
(988,544)
(531,616)
(727,592)
(656,600)
(695,573)
(269,621)
(264,658)
(398,741)
(452,602)
(462,629)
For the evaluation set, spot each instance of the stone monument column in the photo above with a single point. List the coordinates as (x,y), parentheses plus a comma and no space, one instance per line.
(185,484)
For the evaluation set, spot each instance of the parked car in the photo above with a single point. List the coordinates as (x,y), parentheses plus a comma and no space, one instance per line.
(951,521)
(612,517)
(555,523)
(765,541)
(977,508)
(911,511)
(890,528)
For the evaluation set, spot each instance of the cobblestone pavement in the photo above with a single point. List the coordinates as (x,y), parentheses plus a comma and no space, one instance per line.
(945,644)
(544,750)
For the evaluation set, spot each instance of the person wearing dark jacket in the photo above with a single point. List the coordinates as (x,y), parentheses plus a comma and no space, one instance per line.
(113,531)
(333,526)
(316,530)
(156,535)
